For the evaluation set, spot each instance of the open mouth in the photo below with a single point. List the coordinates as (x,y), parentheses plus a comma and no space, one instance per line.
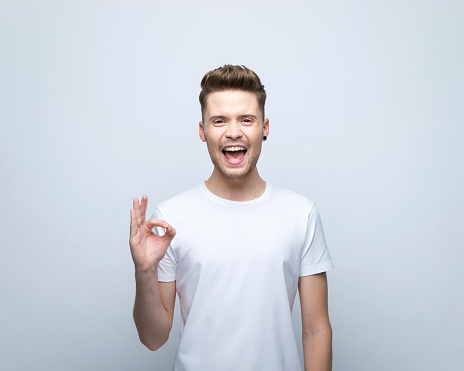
(234,154)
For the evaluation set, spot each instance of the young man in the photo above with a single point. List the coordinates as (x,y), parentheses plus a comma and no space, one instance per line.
(241,250)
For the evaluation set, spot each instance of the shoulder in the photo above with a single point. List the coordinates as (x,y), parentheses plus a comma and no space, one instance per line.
(188,196)
(292,199)
(181,202)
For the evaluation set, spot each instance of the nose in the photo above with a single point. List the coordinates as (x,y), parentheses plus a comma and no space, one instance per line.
(233,130)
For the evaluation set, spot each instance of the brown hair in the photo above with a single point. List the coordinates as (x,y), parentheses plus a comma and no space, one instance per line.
(231,77)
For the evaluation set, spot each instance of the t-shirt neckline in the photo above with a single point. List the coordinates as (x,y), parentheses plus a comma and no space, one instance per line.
(210,195)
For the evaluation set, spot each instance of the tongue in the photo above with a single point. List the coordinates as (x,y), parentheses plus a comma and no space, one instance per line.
(234,155)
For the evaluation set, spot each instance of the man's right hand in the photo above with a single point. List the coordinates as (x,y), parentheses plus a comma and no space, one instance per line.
(147,248)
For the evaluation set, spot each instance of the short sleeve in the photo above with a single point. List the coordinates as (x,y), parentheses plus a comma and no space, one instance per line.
(315,257)
(168,265)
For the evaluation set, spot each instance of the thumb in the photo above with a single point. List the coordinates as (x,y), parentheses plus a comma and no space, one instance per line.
(170,233)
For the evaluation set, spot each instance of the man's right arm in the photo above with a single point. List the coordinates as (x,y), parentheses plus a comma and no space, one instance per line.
(154,301)
(153,308)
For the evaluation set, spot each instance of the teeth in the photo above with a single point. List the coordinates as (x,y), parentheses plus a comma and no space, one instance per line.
(234,149)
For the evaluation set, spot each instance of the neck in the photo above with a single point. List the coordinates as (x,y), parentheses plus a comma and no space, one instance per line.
(247,188)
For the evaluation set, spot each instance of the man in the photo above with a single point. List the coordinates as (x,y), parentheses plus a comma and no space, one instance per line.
(241,250)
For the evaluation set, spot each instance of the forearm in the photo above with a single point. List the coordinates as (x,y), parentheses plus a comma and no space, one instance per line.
(151,318)
(317,349)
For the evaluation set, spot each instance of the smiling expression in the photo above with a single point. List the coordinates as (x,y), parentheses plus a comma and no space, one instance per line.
(233,130)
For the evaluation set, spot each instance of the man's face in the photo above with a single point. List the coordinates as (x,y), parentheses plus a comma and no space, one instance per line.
(233,130)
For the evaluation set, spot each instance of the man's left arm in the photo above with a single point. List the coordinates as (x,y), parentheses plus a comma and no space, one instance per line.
(317,331)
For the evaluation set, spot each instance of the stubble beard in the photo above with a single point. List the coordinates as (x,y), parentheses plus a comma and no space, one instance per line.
(221,167)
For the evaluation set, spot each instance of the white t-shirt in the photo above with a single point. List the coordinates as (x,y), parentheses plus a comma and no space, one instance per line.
(236,265)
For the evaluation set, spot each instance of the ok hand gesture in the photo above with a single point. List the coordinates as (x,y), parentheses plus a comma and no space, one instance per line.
(147,248)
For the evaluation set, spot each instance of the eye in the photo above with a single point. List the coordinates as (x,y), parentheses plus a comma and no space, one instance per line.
(219,122)
(247,121)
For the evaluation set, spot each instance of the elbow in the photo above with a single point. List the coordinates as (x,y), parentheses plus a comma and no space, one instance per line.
(152,339)
(154,345)
(319,329)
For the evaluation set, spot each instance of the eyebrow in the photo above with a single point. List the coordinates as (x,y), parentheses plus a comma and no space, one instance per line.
(249,115)
(225,117)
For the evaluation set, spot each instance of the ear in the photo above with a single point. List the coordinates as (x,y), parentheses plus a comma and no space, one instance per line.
(202,132)
(266,127)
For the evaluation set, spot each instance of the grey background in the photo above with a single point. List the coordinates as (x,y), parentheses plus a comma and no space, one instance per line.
(99,104)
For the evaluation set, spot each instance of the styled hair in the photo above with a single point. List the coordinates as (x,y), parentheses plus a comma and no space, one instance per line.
(231,77)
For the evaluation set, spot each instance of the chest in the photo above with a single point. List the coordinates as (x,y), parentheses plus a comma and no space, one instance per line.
(221,242)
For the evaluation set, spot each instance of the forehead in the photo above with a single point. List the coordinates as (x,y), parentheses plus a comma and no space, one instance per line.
(232,102)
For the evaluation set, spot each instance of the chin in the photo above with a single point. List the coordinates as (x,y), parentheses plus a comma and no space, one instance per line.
(231,173)
(235,175)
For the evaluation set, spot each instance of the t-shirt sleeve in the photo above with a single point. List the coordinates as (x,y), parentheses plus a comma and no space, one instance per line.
(168,265)
(315,257)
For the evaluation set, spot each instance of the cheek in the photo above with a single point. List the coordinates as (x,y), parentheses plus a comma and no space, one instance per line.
(212,139)
(256,137)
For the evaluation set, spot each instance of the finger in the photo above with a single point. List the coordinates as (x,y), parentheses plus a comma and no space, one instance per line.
(153,222)
(143,207)
(133,225)
(137,211)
